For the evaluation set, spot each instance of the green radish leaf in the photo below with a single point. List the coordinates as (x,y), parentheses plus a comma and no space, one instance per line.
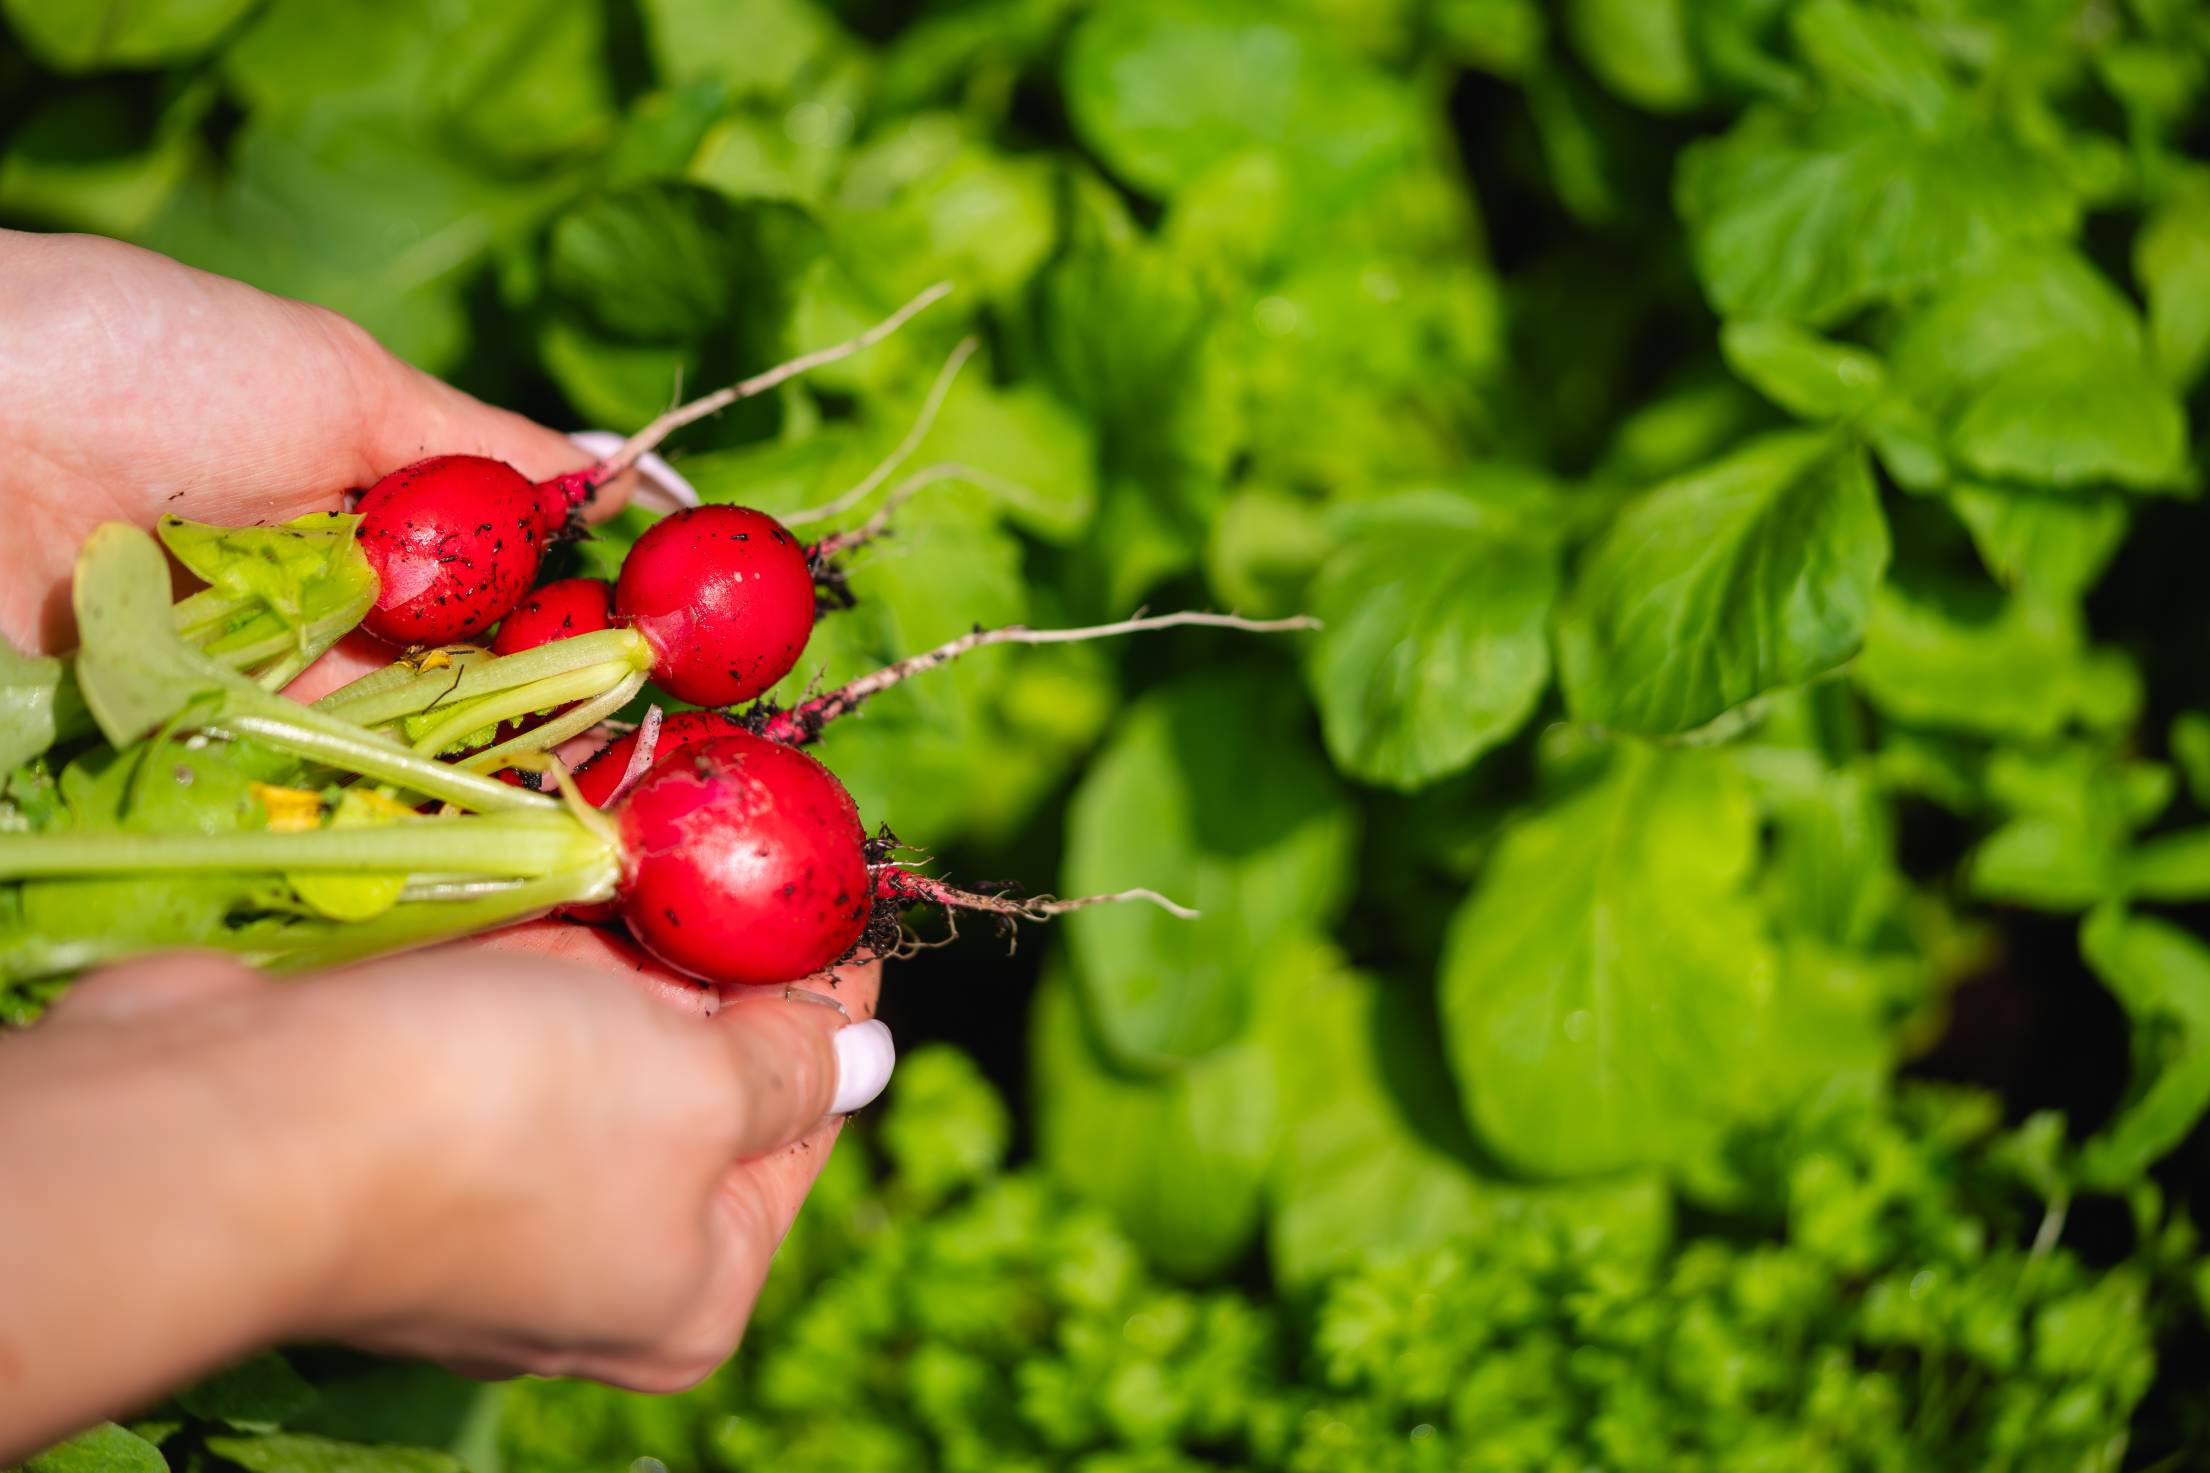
(1639,49)
(2190,748)
(1740,578)
(277,597)
(2161,976)
(1180,1159)
(258,1394)
(106,1448)
(948,1129)
(655,262)
(137,674)
(1805,374)
(1373,1162)
(1206,794)
(1809,217)
(1163,92)
(291,1452)
(93,38)
(2054,544)
(2018,667)
(2035,369)
(1433,646)
(134,671)
(2171,259)
(32,691)
(1608,989)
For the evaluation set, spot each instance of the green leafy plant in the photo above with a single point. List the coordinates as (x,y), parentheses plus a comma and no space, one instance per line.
(1746,461)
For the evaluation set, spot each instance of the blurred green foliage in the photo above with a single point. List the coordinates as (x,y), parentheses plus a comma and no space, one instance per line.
(1742,451)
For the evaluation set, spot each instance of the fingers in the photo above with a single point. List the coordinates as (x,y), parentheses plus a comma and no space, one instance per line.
(149,986)
(790,1065)
(606,951)
(419,415)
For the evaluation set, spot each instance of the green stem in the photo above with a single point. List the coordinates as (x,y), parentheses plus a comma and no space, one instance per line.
(567,724)
(426,922)
(518,845)
(590,682)
(340,745)
(398,690)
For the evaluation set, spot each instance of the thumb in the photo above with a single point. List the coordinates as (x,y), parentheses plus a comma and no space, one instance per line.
(791,1063)
(421,415)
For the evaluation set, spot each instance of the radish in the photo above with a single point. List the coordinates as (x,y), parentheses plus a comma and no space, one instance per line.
(744,861)
(601,777)
(558,610)
(456,540)
(724,595)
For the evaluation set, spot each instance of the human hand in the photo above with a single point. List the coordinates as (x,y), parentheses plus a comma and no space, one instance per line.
(131,386)
(502,1163)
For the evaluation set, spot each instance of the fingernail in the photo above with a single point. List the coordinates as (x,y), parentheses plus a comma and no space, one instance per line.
(864,1054)
(818,999)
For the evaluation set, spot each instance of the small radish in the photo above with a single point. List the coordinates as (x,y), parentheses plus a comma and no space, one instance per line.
(743,861)
(725,597)
(456,541)
(556,611)
(600,776)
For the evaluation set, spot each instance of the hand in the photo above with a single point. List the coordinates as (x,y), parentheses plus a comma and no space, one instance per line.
(507,1164)
(129,386)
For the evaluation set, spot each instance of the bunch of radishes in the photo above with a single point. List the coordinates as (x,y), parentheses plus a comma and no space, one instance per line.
(723,849)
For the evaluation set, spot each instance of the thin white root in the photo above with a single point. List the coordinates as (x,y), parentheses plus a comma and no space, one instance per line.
(838,543)
(923,422)
(651,435)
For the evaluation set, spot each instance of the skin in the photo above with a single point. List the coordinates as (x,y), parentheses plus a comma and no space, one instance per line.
(537,1152)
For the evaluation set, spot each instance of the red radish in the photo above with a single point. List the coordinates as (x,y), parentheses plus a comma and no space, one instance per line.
(725,597)
(455,541)
(744,861)
(603,771)
(556,611)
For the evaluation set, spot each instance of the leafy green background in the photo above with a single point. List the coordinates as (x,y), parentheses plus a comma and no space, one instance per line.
(1702,958)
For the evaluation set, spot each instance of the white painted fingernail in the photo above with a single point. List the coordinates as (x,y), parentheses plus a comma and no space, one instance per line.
(864,1054)
(663,484)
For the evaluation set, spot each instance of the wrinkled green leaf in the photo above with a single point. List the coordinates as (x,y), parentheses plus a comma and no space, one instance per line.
(2171,259)
(1164,91)
(1205,794)
(258,1394)
(94,37)
(2161,976)
(2035,370)
(1803,373)
(29,691)
(1639,49)
(2053,543)
(1433,645)
(1809,217)
(290,1452)
(107,1448)
(1180,1160)
(1746,576)
(1607,988)
(2020,667)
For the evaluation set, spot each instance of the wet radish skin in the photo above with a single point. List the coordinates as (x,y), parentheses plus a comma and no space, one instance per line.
(456,541)
(559,610)
(744,861)
(725,597)
(601,773)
